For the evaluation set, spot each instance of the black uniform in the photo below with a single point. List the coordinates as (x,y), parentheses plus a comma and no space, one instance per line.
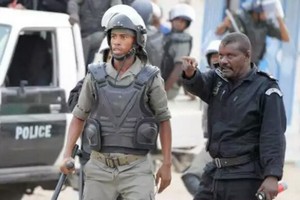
(246,125)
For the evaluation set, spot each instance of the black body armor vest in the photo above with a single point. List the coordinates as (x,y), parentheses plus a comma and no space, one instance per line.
(126,124)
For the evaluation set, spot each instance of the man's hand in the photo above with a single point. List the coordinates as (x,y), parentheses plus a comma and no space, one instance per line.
(67,166)
(269,187)
(163,176)
(189,66)
(74,19)
(16,6)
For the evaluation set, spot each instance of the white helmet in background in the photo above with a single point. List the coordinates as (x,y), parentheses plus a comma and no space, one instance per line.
(104,45)
(184,11)
(103,53)
(212,48)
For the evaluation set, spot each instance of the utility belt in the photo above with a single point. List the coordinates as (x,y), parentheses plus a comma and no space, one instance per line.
(113,161)
(228,162)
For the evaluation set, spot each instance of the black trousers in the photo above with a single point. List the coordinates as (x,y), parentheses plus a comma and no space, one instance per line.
(227,189)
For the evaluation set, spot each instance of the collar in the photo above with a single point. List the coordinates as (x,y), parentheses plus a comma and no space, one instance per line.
(134,69)
(251,75)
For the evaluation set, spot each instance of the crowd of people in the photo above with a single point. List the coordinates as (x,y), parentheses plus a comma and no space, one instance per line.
(120,108)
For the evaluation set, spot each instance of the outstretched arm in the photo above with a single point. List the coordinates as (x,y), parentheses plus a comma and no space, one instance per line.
(73,11)
(283,30)
(222,28)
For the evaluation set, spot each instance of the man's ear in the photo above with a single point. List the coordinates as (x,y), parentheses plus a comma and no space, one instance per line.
(248,54)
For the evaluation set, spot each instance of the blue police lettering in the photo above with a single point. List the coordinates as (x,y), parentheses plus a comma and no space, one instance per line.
(33,132)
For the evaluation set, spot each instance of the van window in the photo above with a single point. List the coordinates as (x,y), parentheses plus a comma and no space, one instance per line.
(32,62)
(4,33)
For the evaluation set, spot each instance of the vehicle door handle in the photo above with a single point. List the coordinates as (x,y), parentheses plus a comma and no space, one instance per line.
(55,108)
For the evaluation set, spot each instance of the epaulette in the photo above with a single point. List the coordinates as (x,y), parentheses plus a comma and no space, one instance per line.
(267,75)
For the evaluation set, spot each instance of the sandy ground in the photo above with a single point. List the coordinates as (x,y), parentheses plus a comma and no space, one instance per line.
(176,191)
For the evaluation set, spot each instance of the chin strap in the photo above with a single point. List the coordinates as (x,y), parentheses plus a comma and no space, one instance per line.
(123,58)
(128,54)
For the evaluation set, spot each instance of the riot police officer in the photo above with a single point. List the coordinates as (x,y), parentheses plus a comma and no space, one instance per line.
(125,103)
(252,20)
(177,43)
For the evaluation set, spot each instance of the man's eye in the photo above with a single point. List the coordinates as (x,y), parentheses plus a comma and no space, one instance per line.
(230,56)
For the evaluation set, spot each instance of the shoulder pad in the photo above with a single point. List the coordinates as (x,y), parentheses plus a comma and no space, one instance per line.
(97,71)
(93,66)
(146,73)
(267,75)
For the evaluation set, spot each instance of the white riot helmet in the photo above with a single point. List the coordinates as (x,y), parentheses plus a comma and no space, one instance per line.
(126,10)
(212,48)
(121,8)
(184,11)
(126,17)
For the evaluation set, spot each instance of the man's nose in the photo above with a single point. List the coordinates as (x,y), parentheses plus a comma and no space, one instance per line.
(223,60)
(116,41)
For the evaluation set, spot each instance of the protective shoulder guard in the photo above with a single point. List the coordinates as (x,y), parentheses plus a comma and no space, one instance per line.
(267,75)
(97,71)
(147,73)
